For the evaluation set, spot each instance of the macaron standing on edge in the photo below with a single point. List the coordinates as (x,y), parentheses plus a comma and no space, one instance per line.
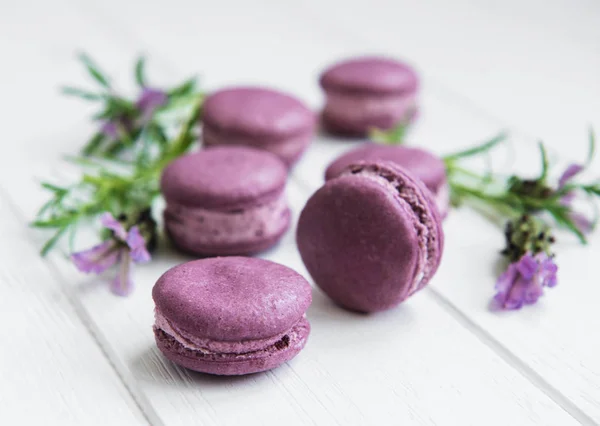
(231,315)
(371,237)
(423,164)
(225,201)
(258,117)
(368,92)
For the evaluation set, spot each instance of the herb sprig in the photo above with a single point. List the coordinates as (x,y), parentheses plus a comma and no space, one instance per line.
(530,207)
(111,183)
(121,120)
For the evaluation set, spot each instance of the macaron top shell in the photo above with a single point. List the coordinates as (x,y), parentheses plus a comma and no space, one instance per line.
(256,111)
(232,298)
(371,75)
(371,237)
(224,177)
(423,164)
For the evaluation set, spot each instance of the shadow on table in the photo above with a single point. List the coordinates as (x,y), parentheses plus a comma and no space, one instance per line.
(335,333)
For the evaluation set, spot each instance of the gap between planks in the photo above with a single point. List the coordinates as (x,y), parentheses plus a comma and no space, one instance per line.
(510,358)
(141,403)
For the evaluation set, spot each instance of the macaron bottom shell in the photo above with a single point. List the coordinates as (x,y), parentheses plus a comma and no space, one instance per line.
(288,149)
(356,115)
(238,362)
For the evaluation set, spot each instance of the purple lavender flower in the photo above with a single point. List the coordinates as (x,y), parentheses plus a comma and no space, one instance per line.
(111,128)
(149,101)
(571,171)
(582,223)
(523,281)
(124,247)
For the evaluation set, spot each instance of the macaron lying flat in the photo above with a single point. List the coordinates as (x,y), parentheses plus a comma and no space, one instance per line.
(371,237)
(422,164)
(231,315)
(225,201)
(366,92)
(258,117)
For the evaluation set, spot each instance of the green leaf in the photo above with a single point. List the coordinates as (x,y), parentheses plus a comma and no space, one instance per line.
(561,215)
(80,93)
(94,70)
(544,155)
(591,148)
(93,144)
(486,146)
(58,222)
(184,89)
(53,188)
(52,241)
(140,71)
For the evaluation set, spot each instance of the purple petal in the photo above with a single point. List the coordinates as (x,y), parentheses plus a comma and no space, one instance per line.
(567,199)
(122,285)
(506,279)
(137,246)
(516,296)
(109,129)
(527,266)
(582,223)
(547,270)
(534,290)
(569,173)
(109,222)
(149,100)
(97,259)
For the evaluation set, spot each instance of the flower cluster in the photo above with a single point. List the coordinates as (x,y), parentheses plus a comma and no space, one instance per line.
(529,207)
(122,247)
(123,121)
(121,167)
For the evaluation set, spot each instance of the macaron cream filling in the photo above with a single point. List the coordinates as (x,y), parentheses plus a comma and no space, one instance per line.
(408,197)
(226,349)
(351,106)
(223,227)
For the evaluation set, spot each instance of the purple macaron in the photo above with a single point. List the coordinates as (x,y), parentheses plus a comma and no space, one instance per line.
(225,201)
(423,164)
(231,315)
(368,92)
(371,237)
(261,118)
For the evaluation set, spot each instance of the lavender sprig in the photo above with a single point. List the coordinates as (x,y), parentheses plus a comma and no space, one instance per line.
(122,121)
(125,190)
(530,209)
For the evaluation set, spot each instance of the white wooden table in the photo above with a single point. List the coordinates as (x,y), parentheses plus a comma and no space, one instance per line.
(73,354)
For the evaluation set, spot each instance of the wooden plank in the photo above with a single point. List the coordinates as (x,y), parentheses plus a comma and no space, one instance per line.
(413,365)
(52,370)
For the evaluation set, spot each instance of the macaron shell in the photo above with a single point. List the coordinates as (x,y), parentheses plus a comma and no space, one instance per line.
(257,111)
(224,178)
(422,203)
(360,128)
(370,74)
(232,298)
(359,244)
(234,364)
(423,164)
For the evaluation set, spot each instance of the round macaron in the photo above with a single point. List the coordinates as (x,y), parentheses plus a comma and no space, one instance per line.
(368,92)
(225,201)
(258,117)
(423,164)
(231,315)
(371,237)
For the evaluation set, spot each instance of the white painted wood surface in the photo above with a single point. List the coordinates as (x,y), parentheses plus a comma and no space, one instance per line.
(442,358)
